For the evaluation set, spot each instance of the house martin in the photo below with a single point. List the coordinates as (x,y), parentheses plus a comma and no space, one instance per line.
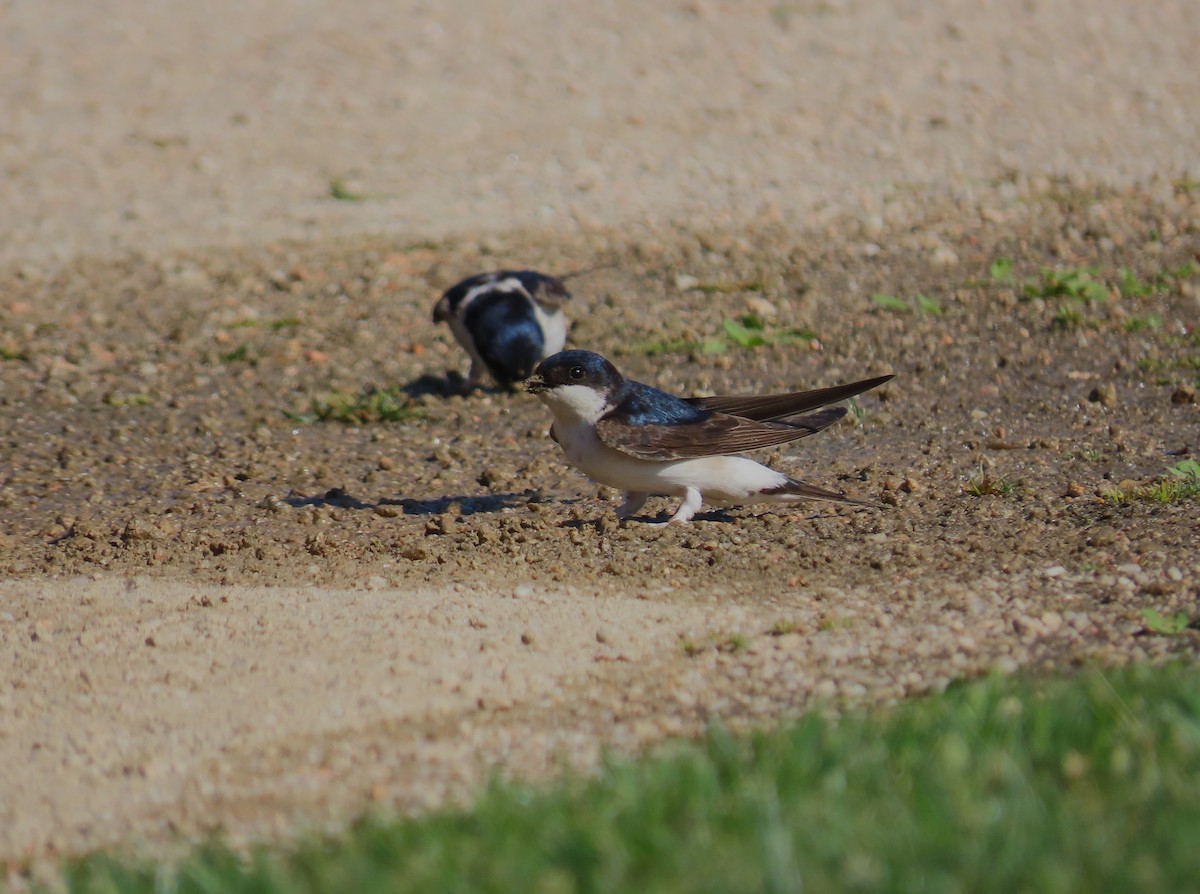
(647,442)
(507,321)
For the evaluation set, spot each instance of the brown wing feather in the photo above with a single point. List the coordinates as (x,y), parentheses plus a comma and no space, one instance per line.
(765,407)
(718,435)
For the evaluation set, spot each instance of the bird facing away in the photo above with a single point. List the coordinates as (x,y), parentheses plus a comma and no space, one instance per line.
(646,442)
(507,321)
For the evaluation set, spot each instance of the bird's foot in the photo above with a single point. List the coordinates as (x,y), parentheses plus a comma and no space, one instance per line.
(689,507)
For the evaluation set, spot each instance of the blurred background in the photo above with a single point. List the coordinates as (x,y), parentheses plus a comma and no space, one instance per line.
(146,125)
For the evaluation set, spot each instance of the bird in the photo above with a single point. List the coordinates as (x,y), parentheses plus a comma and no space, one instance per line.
(646,442)
(507,321)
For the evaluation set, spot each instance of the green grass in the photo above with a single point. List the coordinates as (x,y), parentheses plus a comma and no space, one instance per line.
(890,302)
(1165,625)
(728,288)
(1068,316)
(371,405)
(1180,482)
(120,401)
(1143,322)
(340,191)
(923,303)
(1130,286)
(1073,284)
(1001,270)
(984,485)
(1083,784)
(240,354)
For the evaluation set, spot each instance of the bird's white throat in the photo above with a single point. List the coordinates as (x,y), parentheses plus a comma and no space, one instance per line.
(572,404)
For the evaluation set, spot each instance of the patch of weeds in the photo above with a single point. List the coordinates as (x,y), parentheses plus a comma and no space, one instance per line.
(662,346)
(372,405)
(729,288)
(1118,496)
(284,323)
(121,401)
(984,485)
(1076,284)
(1001,270)
(721,642)
(927,305)
(12,354)
(1180,482)
(1186,270)
(340,191)
(1151,364)
(783,628)
(750,331)
(1165,625)
(834,622)
(1130,286)
(1143,322)
(240,354)
(734,642)
(890,302)
(1068,316)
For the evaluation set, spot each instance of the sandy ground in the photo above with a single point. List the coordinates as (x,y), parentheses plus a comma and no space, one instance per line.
(217,617)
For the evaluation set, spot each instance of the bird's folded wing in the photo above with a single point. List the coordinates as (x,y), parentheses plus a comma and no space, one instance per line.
(766,407)
(717,435)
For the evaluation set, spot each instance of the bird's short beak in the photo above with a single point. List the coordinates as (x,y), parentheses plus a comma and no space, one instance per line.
(535,384)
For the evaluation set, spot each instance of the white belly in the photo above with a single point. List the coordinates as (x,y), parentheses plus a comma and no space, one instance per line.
(554,329)
(721,479)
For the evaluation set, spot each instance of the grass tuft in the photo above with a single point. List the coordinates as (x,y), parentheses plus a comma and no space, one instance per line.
(1165,625)
(984,485)
(371,405)
(890,302)
(343,193)
(1001,270)
(1180,482)
(1074,284)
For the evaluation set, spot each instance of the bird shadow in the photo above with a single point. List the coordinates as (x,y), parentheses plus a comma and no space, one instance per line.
(721,516)
(468,504)
(452,384)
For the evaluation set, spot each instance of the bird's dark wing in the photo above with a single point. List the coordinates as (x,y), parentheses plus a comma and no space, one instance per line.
(716,434)
(768,407)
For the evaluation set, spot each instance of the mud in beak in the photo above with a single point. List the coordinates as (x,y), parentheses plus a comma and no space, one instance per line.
(535,384)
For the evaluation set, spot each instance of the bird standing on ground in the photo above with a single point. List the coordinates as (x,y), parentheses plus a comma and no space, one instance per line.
(507,321)
(647,442)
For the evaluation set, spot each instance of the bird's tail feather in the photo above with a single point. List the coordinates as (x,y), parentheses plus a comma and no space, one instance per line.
(795,488)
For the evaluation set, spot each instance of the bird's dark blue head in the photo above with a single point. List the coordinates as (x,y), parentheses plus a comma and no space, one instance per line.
(592,388)
(568,368)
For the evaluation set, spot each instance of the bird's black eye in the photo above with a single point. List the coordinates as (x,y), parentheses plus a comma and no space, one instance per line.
(576,373)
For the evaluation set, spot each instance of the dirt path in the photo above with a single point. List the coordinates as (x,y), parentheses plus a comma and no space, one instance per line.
(216,613)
